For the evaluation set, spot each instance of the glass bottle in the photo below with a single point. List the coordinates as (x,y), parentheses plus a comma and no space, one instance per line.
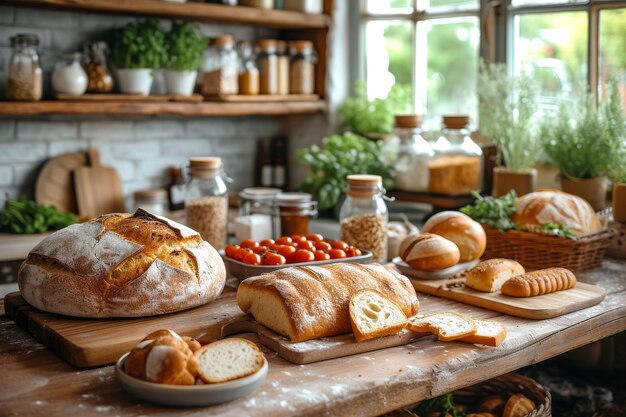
(268,66)
(98,72)
(206,202)
(69,77)
(24,75)
(413,156)
(283,67)
(457,165)
(220,67)
(364,216)
(301,70)
(248,70)
(176,189)
(295,210)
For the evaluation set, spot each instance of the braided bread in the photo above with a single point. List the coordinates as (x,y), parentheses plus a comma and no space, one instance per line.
(539,282)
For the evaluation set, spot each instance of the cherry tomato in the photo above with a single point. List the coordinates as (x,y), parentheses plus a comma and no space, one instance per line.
(252,259)
(249,244)
(284,240)
(267,242)
(298,238)
(352,251)
(336,253)
(274,259)
(314,237)
(338,244)
(241,253)
(305,244)
(230,250)
(325,246)
(303,255)
(260,249)
(320,255)
(286,251)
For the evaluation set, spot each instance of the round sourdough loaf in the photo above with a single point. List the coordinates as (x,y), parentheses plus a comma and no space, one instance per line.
(460,229)
(429,252)
(122,265)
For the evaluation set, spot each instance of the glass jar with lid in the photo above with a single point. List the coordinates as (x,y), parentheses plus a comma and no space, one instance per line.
(220,67)
(206,202)
(282,51)
(302,68)
(248,70)
(364,216)
(413,156)
(295,210)
(153,201)
(69,77)
(99,75)
(268,66)
(457,164)
(24,75)
(257,219)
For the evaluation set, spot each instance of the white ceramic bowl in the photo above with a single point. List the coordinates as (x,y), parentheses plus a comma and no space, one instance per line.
(188,395)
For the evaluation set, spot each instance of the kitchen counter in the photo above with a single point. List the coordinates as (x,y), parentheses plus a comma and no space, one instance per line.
(36,382)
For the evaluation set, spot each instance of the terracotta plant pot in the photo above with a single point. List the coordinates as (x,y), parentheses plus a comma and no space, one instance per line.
(593,190)
(619,202)
(505,180)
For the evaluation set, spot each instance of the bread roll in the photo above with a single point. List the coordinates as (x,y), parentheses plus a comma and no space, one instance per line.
(518,405)
(539,282)
(552,206)
(122,265)
(429,252)
(489,275)
(305,303)
(467,234)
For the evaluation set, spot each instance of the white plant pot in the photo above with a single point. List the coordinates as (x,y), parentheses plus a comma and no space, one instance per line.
(135,80)
(180,82)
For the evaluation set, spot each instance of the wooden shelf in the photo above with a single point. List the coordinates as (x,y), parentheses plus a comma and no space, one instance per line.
(439,201)
(159,108)
(279,19)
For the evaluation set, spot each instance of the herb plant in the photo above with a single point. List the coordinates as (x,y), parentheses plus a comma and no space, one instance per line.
(495,212)
(26,216)
(139,44)
(617,171)
(339,156)
(185,46)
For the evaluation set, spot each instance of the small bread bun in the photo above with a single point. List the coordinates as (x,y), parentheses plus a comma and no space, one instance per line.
(459,228)
(490,275)
(429,252)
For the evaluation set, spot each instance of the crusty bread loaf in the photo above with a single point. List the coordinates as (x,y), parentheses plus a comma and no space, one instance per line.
(228,359)
(468,235)
(553,206)
(489,275)
(539,282)
(122,265)
(488,333)
(429,252)
(447,325)
(518,405)
(305,303)
(373,315)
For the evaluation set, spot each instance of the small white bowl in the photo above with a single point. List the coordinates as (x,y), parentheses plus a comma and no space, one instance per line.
(188,395)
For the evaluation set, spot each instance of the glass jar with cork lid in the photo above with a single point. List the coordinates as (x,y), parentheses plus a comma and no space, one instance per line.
(295,210)
(24,80)
(220,67)
(413,156)
(153,201)
(206,201)
(268,66)
(364,216)
(302,68)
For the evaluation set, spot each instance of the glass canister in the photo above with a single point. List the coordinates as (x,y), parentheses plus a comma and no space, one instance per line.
(364,216)
(257,218)
(302,68)
(99,75)
(268,66)
(153,201)
(220,67)
(206,202)
(283,67)
(248,70)
(295,210)
(69,77)
(24,75)
(413,156)
(457,164)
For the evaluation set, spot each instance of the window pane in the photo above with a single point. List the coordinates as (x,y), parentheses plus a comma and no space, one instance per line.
(612,49)
(519,3)
(388,57)
(446,66)
(438,6)
(552,47)
(389,6)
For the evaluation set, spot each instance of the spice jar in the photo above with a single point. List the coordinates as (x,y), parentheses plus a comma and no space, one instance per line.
(98,72)
(176,189)
(220,67)
(413,156)
(457,164)
(283,67)
(153,201)
(363,216)
(248,71)
(295,210)
(268,65)
(69,77)
(302,74)
(206,200)
(24,76)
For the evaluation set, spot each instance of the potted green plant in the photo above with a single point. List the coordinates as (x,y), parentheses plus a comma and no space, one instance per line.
(507,117)
(185,46)
(582,141)
(137,50)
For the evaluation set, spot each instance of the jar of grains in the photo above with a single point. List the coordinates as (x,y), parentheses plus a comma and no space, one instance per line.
(364,216)
(295,210)
(24,76)
(268,65)
(414,154)
(248,71)
(98,72)
(206,200)
(220,67)
(283,67)
(302,74)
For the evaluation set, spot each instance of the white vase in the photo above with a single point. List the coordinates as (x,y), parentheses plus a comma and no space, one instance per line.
(180,82)
(135,80)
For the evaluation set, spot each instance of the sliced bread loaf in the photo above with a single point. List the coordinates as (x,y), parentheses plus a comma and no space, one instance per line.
(447,325)
(488,332)
(228,359)
(374,315)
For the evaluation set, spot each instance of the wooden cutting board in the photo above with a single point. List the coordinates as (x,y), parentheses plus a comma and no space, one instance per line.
(97,342)
(98,188)
(54,184)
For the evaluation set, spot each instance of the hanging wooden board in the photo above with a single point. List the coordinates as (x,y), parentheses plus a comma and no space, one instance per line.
(54,184)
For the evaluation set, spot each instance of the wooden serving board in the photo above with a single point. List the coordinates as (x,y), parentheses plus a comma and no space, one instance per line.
(97,342)
(540,307)
(54,183)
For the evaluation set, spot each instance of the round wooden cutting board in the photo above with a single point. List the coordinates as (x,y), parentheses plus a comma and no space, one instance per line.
(55,185)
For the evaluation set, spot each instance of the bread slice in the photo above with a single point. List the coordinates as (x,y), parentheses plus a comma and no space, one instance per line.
(488,332)
(447,325)
(374,315)
(228,359)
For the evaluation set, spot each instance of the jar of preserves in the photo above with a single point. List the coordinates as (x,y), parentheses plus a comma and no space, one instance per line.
(413,156)
(302,68)
(282,51)
(220,67)
(98,72)
(268,65)
(295,210)
(363,216)
(248,70)
(69,77)
(24,75)
(457,165)
(153,201)
(206,202)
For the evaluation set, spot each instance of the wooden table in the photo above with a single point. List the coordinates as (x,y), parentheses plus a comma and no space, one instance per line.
(35,382)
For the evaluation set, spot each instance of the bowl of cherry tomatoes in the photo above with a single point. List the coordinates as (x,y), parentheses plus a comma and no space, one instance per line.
(250,257)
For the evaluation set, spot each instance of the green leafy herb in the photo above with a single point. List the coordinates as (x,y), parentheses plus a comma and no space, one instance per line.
(139,45)
(26,216)
(495,212)
(558,230)
(443,405)
(185,47)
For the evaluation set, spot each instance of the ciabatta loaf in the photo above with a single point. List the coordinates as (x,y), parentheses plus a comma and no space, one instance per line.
(373,315)
(447,326)
(489,275)
(228,359)
(310,302)
(122,265)
(539,282)
(468,235)
(488,332)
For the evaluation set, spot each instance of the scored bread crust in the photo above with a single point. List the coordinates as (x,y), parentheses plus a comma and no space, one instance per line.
(304,303)
(459,228)
(428,251)
(542,281)
(122,265)
(490,275)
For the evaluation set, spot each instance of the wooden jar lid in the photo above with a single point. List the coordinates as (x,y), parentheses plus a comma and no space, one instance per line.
(407,121)
(457,121)
(205,162)
(223,40)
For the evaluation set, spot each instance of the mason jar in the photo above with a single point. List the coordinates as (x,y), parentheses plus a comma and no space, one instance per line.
(220,67)
(24,76)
